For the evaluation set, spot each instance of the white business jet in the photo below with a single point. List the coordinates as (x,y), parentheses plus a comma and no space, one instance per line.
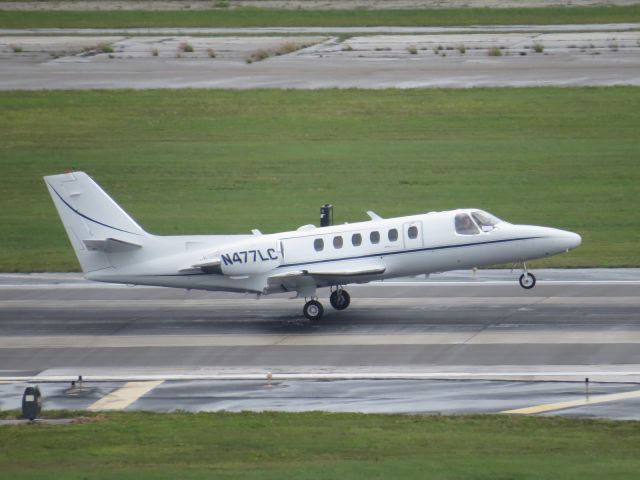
(112,247)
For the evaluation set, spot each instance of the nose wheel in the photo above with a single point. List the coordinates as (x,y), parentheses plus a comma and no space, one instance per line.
(527,280)
(313,310)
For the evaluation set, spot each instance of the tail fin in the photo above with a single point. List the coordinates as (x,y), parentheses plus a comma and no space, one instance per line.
(96,225)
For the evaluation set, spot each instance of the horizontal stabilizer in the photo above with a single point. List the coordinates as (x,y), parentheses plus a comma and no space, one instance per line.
(110,245)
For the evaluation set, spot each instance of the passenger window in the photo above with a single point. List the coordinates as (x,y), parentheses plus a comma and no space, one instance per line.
(318,244)
(356,239)
(412,232)
(337,242)
(374,237)
(393,235)
(465,226)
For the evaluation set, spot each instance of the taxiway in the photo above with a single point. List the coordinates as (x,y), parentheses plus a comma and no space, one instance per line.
(367,58)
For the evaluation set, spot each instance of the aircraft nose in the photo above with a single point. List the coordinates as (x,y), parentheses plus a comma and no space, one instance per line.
(570,240)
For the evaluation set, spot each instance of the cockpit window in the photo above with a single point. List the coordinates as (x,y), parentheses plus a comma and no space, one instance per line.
(485,220)
(465,226)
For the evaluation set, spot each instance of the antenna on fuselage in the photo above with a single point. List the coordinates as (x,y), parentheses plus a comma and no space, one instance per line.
(373,215)
(326,215)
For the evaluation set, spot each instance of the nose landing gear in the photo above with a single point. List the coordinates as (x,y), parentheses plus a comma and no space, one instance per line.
(527,280)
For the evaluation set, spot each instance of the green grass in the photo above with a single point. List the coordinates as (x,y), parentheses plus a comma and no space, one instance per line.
(253,17)
(216,161)
(321,446)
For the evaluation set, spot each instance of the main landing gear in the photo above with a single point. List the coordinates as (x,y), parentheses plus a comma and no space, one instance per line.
(313,310)
(527,280)
(339,300)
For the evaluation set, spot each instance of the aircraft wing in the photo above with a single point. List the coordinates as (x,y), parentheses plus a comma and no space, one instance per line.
(293,279)
(329,273)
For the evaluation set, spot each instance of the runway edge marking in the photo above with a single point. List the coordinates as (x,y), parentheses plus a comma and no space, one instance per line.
(550,407)
(124,396)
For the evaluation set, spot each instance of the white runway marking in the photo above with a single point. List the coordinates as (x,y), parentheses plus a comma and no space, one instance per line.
(124,396)
(529,373)
(488,336)
(360,302)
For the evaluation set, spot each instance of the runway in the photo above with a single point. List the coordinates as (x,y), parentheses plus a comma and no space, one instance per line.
(450,321)
(425,339)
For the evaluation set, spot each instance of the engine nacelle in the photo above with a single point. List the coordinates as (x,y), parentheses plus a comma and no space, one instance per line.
(249,258)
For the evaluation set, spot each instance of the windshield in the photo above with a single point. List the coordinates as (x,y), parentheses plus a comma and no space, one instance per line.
(485,220)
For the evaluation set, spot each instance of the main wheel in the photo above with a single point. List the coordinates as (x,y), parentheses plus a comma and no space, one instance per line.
(313,310)
(341,300)
(527,280)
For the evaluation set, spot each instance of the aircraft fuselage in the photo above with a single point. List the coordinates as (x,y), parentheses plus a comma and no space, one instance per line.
(112,247)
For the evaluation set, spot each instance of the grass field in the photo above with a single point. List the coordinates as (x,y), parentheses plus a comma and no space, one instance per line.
(203,161)
(252,17)
(321,446)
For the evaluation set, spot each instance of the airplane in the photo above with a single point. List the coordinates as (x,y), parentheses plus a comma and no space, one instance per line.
(112,247)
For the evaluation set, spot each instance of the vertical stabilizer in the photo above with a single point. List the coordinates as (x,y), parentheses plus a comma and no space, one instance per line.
(96,225)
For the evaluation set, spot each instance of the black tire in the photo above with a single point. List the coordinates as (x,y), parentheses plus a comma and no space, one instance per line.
(529,282)
(313,310)
(340,302)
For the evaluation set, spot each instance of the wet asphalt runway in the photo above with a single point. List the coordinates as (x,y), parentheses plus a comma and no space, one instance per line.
(489,344)
(407,324)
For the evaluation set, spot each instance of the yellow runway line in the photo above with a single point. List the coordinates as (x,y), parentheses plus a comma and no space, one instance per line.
(124,396)
(549,407)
